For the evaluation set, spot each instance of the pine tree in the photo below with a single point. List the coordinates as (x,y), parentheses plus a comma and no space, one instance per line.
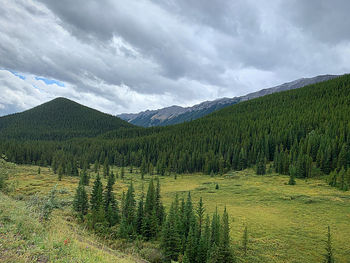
(158,204)
(329,258)
(96,201)
(200,216)
(127,227)
(80,202)
(342,183)
(214,254)
(106,168)
(60,172)
(225,250)
(188,215)
(143,169)
(343,157)
(215,229)
(245,240)
(96,166)
(84,177)
(39,171)
(149,227)
(261,164)
(171,241)
(203,247)
(292,174)
(110,203)
(140,215)
(192,243)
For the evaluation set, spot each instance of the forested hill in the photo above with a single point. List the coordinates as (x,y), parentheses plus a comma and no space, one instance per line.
(307,129)
(56,120)
(176,114)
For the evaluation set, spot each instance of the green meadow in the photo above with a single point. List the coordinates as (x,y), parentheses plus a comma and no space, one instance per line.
(285,223)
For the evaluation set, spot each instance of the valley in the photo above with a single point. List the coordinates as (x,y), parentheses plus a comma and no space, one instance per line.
(285,223)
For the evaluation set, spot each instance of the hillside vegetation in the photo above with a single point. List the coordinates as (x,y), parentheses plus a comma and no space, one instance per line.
(307,129)
(57,120)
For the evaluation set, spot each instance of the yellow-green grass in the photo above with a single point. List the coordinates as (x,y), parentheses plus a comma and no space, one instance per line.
(285,223)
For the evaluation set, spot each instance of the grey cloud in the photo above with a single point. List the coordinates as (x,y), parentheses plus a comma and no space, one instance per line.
(181,50)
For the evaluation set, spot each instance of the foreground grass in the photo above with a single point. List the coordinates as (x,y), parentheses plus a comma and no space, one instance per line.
(24,238)
(285,223)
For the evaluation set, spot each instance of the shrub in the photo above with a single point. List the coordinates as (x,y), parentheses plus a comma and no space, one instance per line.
(151,254)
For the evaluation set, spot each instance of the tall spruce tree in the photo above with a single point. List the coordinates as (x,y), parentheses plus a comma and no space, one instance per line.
(96,201)
(225,249)
(329,258)
(140,215)
(84,177)
(292,174)
(171,240)
(150,222)
(200,215)
(106,168)
(127,227)
(261,164)
(110,203)
(159,205)
(81,202)
(245,240)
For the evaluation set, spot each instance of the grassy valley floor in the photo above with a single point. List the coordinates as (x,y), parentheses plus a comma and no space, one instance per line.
(285,223)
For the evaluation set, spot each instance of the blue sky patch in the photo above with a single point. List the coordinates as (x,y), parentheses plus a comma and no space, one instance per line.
(50,81)
(18,75)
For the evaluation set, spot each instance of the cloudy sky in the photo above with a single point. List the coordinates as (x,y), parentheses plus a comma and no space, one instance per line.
(127,56)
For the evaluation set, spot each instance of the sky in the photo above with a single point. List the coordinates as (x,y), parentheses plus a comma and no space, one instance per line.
(128,56)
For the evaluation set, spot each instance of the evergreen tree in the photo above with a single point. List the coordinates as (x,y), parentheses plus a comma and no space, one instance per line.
(106,169)
(96,201)
(127,227)
(143,169)
(214,254)
(158,204)
(292,174)
(60,172)
(39,171)
(188,215)
(225,250)
(261,165)
(203,247)
(96,166)
(110,203)
(80,202)
(245,240)
(139,216)
(84,177)
(150,221)
(329,258)
(200,216)
(192,243)
(171,241)
(215,229)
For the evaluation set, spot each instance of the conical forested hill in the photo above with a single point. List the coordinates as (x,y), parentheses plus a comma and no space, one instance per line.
(56,120)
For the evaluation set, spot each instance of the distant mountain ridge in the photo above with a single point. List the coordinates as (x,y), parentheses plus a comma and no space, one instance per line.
(177,114)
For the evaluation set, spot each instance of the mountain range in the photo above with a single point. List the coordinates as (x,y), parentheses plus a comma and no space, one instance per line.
(177,114)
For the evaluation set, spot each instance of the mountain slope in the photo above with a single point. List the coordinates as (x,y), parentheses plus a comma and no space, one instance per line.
(176,114)
(58,119)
